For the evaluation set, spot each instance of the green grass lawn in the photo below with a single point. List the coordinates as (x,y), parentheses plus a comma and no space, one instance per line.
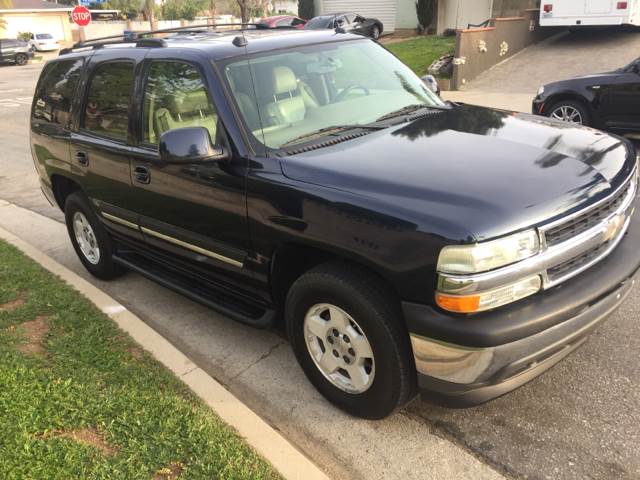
(80,400)
(418,53)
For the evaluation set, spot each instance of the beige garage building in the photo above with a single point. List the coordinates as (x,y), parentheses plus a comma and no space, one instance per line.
(36,16)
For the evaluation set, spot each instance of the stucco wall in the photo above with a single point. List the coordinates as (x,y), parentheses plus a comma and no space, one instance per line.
(56,23)
(478,50)
(457,14)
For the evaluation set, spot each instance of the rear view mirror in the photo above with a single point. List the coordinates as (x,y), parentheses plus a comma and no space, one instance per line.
(431,83)
(189,145)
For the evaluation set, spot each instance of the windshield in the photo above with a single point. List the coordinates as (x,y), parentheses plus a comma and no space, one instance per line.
(44,36)
(313,89)
(319,22)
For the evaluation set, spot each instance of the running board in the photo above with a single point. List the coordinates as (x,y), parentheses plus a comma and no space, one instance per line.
(253,315)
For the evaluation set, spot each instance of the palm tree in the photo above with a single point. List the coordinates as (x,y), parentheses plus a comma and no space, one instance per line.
(4,4)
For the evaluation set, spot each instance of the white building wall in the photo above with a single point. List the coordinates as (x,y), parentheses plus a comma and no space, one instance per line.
(383,10)
(457,14)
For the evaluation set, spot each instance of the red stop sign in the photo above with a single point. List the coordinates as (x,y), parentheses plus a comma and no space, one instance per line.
(81,16)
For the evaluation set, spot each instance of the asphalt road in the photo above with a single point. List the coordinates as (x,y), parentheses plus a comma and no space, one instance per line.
(579,420)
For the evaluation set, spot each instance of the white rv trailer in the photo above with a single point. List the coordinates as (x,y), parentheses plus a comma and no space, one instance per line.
(571,13)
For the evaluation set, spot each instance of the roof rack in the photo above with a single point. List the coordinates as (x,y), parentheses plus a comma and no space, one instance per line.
(138,38)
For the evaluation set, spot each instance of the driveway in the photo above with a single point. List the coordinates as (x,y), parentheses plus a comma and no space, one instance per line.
(580,420)
(513,83)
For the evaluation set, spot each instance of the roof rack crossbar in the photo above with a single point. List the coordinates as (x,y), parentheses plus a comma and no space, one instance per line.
(132,37)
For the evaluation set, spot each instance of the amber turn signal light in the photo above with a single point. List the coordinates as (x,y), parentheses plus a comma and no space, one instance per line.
(458,304)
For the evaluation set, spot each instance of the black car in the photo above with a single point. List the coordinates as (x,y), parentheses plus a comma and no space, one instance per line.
(608,101)
(310,178)
(15,51)
(348,22)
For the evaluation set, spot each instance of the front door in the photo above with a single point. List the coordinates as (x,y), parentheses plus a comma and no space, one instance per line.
(195,211)
(622,110)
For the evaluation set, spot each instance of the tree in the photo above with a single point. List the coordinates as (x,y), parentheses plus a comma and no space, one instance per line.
(4,5)
(245,6)
(305,8)
(426,10)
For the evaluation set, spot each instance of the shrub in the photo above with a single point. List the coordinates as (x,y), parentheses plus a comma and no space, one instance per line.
(305,9)
(426,10)
(24,36)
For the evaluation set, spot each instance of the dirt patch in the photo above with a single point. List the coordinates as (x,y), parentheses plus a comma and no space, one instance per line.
(135,352)
(88,436)
(172,472)
(15,303)
(34,333)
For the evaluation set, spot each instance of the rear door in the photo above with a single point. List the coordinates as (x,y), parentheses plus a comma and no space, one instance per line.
(100,146)
(8,49)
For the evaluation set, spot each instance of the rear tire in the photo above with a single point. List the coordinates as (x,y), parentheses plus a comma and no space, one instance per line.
(566,110)
(373,372)
(92,243)
(375,32)
(21,59)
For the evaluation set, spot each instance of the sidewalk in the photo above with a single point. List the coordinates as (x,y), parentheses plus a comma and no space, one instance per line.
(518,102)
(259,367)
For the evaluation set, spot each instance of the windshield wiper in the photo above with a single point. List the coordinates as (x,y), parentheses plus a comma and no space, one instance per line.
(414,107)
(332,130)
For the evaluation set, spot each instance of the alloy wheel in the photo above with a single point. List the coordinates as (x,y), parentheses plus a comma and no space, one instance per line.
(86,238)
(339,348)
(567,113)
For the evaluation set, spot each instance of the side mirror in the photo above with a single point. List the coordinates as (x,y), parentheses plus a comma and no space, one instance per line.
(189,145)
(431,83)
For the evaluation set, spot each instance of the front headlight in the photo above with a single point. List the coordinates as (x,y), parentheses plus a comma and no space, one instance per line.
(540,91)
(482,257)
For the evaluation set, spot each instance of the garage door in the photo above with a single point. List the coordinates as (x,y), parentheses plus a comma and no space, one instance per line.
(36,24)
(383,10)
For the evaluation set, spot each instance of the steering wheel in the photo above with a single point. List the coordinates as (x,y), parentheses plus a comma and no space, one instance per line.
(354,86)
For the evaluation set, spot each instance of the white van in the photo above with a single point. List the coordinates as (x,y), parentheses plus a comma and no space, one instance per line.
(567,13)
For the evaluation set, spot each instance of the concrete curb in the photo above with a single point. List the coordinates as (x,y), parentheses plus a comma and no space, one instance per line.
(283,456)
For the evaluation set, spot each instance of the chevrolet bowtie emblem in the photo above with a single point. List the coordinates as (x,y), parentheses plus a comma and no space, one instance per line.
(613,227)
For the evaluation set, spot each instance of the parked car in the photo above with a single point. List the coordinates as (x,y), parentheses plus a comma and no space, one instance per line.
(608,101)
(44,42)
(349,22)
(283,21)
(406,243)
(15,51)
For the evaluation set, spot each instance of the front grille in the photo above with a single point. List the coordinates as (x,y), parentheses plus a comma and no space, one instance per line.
(559,271)
(585,221)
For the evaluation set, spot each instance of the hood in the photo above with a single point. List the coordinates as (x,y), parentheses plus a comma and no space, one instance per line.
(585,80)
(486,172)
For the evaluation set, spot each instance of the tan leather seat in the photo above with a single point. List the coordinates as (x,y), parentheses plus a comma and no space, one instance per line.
(286,105)
(189,109)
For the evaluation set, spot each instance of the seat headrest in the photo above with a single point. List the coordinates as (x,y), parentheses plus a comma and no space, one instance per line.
(192,102)
(284,80)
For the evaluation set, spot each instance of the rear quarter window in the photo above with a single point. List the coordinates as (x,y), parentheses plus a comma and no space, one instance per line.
(56,90)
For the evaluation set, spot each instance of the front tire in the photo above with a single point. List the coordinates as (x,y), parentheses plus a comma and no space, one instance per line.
(21,59)
(375,32)
(570,111)
(92,243)
(348,335)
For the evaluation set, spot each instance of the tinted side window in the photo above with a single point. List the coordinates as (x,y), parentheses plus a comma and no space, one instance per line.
(56,91)
(285,22)
(297,21)
(176,97)
(107,106)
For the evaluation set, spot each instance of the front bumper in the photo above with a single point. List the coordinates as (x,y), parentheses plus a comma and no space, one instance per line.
(465,361)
